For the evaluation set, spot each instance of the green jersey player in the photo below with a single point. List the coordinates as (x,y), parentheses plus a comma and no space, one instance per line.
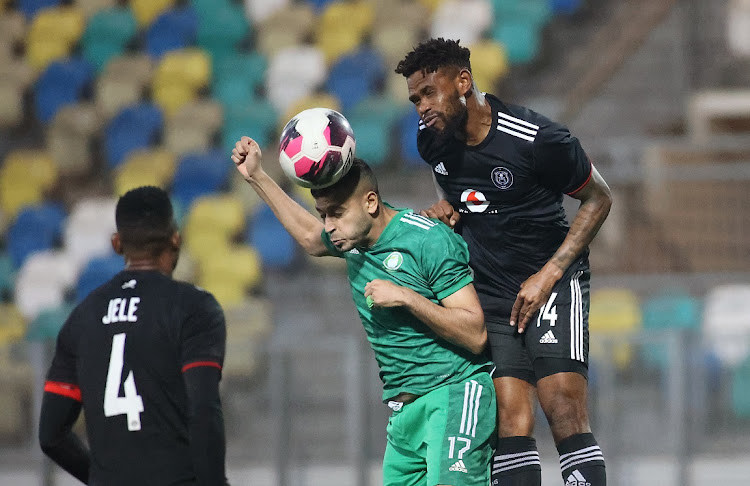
(413,290)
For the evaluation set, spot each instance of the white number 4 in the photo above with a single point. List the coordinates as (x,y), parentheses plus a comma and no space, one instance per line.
(131,404)
(548,311)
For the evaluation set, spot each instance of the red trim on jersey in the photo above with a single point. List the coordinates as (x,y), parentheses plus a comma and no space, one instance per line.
(591,171)
(201,363)
(64,389)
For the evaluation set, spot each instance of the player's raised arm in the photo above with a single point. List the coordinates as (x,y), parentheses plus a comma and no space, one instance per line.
(303,226)
(459,319)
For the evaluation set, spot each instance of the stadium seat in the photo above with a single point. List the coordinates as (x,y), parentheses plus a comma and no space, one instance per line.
(107,34)
(146,11)
(266,234)
(70,137)
(462,19)
(47,324)
(249,68)
(260,10)
(88,229)
(231,273)
(7,276)
(726,322)
(257,119)
(11,102)
(35,228)
(24,178)
(355,76)
(12,30)
(222,214)
(294,73)
(489,64)
(221,32)
(287,27)
(200,174)
(565,7)
(12,326)
(92,7)
(53,33)
(672,311)
(63,82)
(193,127)
(42,282)
(31,7)
(136,66)
(172,30)
(249,324)
(144,168)
(178,78)
(96,273)
(393,41)
(114,93)
(614,313)
(135,127)
(520,38)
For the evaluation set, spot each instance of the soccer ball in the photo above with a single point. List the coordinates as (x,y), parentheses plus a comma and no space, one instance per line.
(317,147)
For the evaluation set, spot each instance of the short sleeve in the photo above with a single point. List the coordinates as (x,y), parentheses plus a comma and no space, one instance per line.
(559,159)
(62,377)
(331,247)
(204,334)
(445,261)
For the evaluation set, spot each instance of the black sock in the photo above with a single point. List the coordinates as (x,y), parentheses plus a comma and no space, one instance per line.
(581,461)
(516,462)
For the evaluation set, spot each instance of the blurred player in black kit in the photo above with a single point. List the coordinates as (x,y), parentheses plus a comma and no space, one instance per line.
(501,171)
(142,355)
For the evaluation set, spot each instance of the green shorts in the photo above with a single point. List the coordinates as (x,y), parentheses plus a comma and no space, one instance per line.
(443,438)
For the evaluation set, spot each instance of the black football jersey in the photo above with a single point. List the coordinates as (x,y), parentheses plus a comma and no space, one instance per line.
(509,191)
(122,353)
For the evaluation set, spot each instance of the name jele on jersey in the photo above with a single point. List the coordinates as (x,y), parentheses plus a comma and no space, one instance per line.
(122,310)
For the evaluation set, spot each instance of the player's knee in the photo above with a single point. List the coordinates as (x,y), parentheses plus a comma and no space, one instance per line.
(513,422)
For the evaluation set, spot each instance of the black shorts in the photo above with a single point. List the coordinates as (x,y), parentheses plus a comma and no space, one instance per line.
(556,339)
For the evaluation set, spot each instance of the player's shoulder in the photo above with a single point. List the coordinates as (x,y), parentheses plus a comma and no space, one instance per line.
(423,228)
(194,294)
(521,120)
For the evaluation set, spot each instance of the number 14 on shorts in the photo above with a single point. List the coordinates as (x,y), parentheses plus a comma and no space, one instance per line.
(548,312)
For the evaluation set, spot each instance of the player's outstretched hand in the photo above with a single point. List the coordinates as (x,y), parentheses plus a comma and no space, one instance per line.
(382,293)
(533,295)
(246,157)
(443,211)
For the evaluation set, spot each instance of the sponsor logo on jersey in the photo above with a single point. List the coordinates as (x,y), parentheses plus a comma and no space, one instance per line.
(459,466)
(393,261)
(474,200)
(440,169)
(501,177)
(130,284)
(354,251)
(548,338)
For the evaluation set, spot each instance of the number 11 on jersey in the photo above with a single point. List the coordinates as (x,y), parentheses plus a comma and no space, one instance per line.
(131,404)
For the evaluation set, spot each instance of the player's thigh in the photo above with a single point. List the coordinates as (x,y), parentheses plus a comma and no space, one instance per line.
(557,339)
(461,433)
(402,467)
(508,352)
(515,406)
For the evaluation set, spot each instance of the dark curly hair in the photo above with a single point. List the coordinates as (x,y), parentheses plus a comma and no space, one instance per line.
(431,55)
(145,219)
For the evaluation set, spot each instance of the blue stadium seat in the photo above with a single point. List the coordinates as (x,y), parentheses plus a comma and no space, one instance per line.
(62,83)
(355,76)
(319,5)
(565,7)
(200,174)
(277,249)
(30,7)
(408,127)
(135,127)
(174,29)
(96,273)
(35,228)
(7,276)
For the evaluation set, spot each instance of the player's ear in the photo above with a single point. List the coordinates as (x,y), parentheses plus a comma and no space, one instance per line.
(176,240)
(372,203)
(464,82)
(116,243)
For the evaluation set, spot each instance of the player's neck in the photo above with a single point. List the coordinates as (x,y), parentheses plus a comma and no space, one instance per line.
(479,119)
(162,263)
(385,217)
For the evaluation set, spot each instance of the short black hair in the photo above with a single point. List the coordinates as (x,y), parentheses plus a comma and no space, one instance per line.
(431,55)
(345,187)
(145,219)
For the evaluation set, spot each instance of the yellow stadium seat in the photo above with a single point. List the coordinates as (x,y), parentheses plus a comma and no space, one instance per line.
(335,43)
(324,100)
(191,67)
(489,63)
(170,98)
(221,214)
(202,245)
(145,167)
(431,5)
(236,264)
(24,177)
(52,34)
(341,27)
(614,313)
(12,325)
(146,11)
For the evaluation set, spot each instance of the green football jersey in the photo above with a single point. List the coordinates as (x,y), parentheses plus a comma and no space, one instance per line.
(428,257)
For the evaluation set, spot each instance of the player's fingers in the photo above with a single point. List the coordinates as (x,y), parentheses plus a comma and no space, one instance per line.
(241,150)
(524,317)
(517,305)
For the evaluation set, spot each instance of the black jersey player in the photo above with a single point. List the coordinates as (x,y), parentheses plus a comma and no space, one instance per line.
(502,171)
(142,355)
